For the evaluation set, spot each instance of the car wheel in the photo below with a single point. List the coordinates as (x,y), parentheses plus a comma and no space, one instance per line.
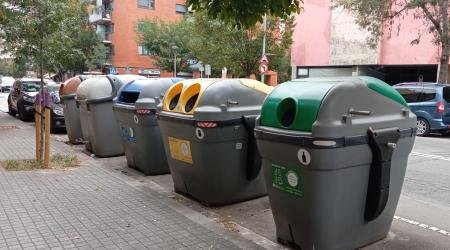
(11,111)
(423,127)
(21,112)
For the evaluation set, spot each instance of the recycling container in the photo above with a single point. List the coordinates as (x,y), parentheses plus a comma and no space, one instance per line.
(135,111)
(98,125)
(334,157)
(207,128)
(67,93)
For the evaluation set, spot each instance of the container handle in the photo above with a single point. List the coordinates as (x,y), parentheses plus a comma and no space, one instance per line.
(382,142)
(254,160)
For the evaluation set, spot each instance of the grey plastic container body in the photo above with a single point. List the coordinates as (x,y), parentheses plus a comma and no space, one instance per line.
(98,123)
(224,168)
(141,136)
(327,207)
(72,119)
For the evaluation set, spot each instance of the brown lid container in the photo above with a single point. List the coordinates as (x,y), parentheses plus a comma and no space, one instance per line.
(70,86)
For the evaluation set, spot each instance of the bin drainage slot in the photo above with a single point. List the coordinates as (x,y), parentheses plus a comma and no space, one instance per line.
(190,103)
(173,103)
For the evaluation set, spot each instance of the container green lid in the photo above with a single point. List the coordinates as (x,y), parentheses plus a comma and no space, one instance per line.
(295,105)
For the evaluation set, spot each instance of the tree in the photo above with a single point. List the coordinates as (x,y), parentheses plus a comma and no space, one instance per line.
(224,45)
(246,13)
(11,68)
(219,43)
(378,15)
(162,39)
(59,27)
(43,34)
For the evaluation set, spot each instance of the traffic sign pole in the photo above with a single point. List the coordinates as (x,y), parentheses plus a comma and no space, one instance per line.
(263,77)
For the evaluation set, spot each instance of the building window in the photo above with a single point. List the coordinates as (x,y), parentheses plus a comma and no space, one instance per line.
(142,50)
(110,28)
(302,72)
(180,8)
(147,4)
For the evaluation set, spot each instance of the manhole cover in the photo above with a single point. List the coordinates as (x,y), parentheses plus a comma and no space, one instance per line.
(6,127)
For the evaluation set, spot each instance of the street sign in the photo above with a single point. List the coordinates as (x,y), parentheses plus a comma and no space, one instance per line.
(263,64)
(264,59)
(263,68)
(113,71)
(207,69)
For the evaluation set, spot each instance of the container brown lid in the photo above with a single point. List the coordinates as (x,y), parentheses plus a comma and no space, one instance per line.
(70,86)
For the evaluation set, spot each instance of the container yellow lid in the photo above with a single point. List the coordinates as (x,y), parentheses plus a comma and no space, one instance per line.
(183,97)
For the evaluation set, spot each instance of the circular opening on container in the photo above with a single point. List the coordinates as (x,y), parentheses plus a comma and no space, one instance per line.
(190,97)
(172,97)
(173,103)
(287,109)
(190,103)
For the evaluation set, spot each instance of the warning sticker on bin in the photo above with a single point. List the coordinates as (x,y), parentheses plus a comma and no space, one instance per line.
(287,179)
(180,150)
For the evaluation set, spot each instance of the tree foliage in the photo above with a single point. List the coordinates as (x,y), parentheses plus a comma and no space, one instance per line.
(219,43)
(246,13)
(163,39)
(51,34)
(10,68)
(381,16)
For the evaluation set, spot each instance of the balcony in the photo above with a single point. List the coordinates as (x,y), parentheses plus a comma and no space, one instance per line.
(106,37)
(100,16)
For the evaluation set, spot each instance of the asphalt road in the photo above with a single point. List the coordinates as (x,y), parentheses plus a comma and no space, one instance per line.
(422,218)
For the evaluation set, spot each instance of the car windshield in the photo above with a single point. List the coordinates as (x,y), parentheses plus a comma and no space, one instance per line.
(31,86)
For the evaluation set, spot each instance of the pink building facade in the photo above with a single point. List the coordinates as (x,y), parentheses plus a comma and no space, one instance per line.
(327,42)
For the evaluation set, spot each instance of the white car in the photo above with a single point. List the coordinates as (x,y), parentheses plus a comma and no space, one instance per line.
(6,83)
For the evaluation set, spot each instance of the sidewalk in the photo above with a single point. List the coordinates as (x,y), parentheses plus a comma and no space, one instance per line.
(105,204)
(91,207)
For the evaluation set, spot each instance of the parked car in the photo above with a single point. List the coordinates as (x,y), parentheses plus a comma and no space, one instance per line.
(6,83)
(22,97)
(430,102)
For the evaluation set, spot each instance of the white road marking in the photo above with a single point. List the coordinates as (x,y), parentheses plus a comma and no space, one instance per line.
(422,225)
(437,157)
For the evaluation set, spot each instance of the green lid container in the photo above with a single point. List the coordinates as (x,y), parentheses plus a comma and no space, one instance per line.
(295,105)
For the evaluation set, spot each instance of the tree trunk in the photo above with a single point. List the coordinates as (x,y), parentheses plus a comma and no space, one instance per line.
(443,64)
(445,48)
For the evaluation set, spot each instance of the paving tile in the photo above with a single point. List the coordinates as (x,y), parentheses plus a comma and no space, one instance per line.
(90,207)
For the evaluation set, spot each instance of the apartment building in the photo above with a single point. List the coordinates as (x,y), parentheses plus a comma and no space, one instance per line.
(328,42)
(115,21)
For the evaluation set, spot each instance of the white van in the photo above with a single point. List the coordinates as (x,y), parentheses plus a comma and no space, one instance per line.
(6,83)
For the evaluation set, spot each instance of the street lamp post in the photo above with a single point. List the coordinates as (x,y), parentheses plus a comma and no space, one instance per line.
(174,48)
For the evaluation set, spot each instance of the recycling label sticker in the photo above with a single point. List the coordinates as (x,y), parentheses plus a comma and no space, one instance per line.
(180,150)
(288,179)
(129,134)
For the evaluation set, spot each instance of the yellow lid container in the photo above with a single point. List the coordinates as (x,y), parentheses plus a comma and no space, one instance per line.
(183,97)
